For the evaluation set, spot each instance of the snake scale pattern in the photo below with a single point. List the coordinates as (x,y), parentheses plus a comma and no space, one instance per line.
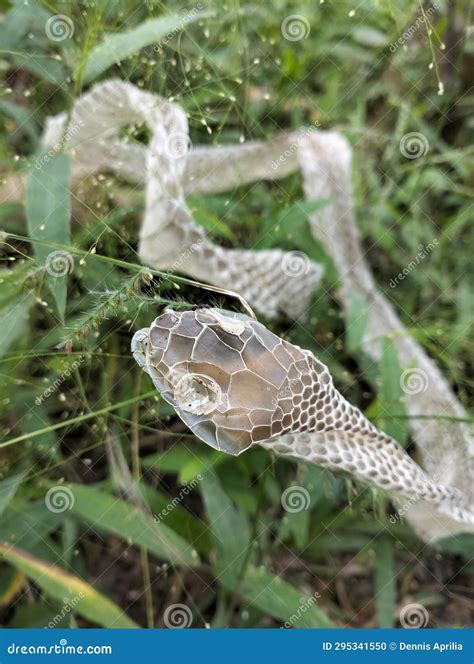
(235,383)
(324,428)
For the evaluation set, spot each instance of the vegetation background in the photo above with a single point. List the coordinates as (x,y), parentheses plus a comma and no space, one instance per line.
(111,514)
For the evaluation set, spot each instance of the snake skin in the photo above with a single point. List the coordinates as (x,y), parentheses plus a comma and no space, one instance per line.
(235,383)
(272,281)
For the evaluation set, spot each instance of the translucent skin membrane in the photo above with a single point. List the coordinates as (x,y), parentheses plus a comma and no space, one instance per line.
(235,383)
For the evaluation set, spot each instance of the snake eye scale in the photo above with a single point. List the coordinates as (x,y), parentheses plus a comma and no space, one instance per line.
(236,384)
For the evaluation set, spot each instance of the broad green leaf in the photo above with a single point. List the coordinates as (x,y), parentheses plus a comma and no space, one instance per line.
(14,321)
(368,36)
(214,224)
(289,225)
(357,319)
(178,518)
(37,614)
(385,581)
(118,46)
(296,523)
(106,513)
(11,584)
(48,212)
(18,22)
(186,462)
(45,69)
(462,544)
(391,396)
(230,529)
(36,417)
(8,489)
(282,600)
(22,118)
(31,524)
(11,281)
(68,589)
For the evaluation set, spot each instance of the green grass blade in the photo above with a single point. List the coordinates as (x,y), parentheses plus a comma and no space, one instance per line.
(70,590)
(357,319)
(282,600)
(8,488)
(230,529)
(106,513)
(385,577)
(392,417)
(116,47)
(48,212)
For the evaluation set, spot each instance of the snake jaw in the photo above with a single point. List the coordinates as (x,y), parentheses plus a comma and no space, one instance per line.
(139,346)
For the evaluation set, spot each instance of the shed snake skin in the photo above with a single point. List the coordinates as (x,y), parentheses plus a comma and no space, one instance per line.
(171,240)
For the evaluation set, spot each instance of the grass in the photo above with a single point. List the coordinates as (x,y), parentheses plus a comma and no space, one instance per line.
(153,517)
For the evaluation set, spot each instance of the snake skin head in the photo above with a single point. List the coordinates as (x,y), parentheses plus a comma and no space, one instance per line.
(230,379)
